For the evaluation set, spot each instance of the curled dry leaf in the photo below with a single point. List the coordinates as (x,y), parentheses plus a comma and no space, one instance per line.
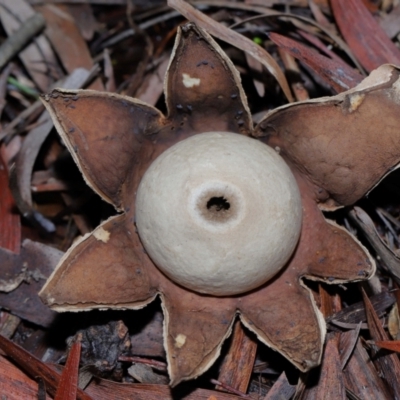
(115,140)
(334,72)
(368,41)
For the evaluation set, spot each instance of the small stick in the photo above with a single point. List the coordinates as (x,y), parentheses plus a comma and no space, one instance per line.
(230,389)
(20,38)
(140,360)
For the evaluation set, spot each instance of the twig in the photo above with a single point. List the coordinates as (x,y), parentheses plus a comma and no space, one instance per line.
(20,38)
(230,389)
(140,360)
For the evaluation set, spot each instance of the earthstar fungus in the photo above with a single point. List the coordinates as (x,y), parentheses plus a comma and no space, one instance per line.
(337,148)
(219,213)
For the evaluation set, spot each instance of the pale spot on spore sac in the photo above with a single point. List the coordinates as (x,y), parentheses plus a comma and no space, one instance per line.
(356,101)
(102,235)
(190,82)
(180,340)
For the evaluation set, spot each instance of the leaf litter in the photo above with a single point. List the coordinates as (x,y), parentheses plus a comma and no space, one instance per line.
(58,214)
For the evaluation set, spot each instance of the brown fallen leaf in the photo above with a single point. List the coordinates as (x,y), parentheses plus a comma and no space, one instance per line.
(84,19)
(66,39)
(366,38)
(393,345)
(338,75)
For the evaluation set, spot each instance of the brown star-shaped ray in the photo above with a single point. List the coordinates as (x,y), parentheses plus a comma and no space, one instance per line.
(114,139)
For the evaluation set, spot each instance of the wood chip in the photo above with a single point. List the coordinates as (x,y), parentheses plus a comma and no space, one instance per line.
(237,367)
(389,364)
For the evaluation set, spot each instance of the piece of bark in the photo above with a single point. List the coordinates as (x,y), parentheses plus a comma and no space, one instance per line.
(144,374)
(347,343)
(148,341)
(15,383)
(106,390)
(388,364)
(365,223)
(39,261)
(35,368)
(281,390)
(238,364)
(37,344)
(68,386)
(10,225)
(355,313)
(361,377)
(326,303)
(330,384)
(19,386)
(8,324)
(393,345)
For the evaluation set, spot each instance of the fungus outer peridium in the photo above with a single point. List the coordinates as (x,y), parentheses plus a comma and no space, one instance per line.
(219,213)
(118,274)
